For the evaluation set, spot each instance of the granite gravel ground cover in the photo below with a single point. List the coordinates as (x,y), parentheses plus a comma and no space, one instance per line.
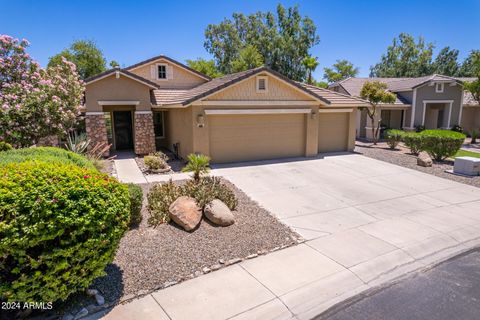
(152,258)
(402,157)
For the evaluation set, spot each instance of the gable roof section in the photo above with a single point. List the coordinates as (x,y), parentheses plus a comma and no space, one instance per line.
(186,97)
(127,74)
(175,62)
(336,98)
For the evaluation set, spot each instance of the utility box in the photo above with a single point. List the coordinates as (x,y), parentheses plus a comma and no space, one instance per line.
(469,166)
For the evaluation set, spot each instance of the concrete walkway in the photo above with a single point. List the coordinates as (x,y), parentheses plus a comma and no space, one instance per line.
(366,222)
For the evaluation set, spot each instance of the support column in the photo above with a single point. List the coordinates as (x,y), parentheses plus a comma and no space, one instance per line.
(96,129)
(368,127)
(144,133)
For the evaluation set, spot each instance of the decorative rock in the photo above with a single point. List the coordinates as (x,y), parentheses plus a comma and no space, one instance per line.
(206,270)
(221,261)
(197,273)
(92,292)
(424,160)
(100,299)
(169,284)
(185,212)
(216,267)
(82,313)
(233,261)
(251,256)
(218,213)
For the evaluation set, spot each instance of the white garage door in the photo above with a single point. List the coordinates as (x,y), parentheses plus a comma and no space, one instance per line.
(256,137)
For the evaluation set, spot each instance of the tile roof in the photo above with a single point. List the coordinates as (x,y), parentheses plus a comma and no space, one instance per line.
(124,72)
(354,85)
(185,97)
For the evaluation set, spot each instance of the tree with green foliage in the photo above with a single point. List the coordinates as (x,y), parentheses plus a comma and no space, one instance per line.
(474,86)
(446,62)
(248,58)
(310,63)
(471,65)
(85,55)
(207,67)
(341,70)
(282,39)
(405,58)
(320,84)
(114,64)
(376,92)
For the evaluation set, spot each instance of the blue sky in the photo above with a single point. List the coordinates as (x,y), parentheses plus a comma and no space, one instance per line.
(130,31)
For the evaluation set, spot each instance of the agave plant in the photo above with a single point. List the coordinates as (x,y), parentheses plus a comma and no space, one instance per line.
(77,143)
(198,164)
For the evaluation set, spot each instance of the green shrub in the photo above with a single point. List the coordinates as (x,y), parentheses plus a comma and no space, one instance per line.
(419,128)
(136,201)
(160,155)
(441,144)
(207,189)
(5,146)
(413,141)
(393,137)
(60,226)
(474,136)
(159,199)
(161,196)
(198,164)
(154,163)
(45,154)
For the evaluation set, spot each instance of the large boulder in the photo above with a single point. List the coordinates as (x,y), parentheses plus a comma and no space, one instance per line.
(185,212)
(217,212)
(424,160)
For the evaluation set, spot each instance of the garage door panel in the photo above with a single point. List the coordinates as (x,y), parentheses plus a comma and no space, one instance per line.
(256,137)
(333,129)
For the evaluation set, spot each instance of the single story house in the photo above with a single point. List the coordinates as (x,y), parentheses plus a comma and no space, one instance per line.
(251,115)
(434,101)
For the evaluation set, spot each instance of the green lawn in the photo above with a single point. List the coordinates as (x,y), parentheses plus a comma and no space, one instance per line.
(464,153)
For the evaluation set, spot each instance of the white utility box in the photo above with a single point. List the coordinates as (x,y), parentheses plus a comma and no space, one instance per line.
(469,166)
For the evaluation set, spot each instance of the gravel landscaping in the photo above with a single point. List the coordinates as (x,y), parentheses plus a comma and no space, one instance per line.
(152,258)
(402,157)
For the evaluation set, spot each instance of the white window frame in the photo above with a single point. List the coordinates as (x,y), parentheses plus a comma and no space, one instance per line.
(439,87)
(257,83)
(166,71)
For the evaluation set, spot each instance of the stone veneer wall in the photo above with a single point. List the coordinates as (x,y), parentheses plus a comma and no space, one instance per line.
(96,129)
(144,133)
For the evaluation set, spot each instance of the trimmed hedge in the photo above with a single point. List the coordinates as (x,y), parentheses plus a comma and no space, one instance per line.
(45,154)
(441,144)
(136,201)
(60,226)
(413,140)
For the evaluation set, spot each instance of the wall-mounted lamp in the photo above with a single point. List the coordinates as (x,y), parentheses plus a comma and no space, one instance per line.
(200,121)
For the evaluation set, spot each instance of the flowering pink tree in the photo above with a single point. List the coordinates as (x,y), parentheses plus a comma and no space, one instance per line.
(35,102)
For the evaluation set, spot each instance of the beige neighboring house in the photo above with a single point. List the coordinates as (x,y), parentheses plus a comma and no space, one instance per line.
(252,115)
(434,101)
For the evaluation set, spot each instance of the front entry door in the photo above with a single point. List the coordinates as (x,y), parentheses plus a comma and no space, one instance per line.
(122,123)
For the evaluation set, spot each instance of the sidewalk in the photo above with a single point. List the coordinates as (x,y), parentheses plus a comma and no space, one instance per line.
(128,172)
(294,283)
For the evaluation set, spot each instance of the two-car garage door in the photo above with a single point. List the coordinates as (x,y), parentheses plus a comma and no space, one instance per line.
(240,137)
(255,137)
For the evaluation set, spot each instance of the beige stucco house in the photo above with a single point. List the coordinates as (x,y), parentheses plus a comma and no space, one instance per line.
(251,115)
(434,101)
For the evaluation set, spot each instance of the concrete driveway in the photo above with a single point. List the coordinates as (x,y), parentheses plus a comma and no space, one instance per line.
(365,222)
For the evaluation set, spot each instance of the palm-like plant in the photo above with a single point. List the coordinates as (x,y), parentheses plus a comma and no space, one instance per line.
(77,143)
(198,164)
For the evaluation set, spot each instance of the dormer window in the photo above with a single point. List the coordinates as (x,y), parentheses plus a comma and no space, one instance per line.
(439,87)
(162,71)
(262,84)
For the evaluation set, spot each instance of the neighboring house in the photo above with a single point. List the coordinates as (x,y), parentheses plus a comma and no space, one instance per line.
(434,101)
(251,115)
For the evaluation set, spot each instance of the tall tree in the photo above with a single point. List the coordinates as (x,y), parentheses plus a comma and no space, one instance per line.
(342,69)
(470,66)
(85,55)
(204,66)
(283,40)
(376,92)
(405,58)
(474,86)
(248,58)
(446,62)
(310,63)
